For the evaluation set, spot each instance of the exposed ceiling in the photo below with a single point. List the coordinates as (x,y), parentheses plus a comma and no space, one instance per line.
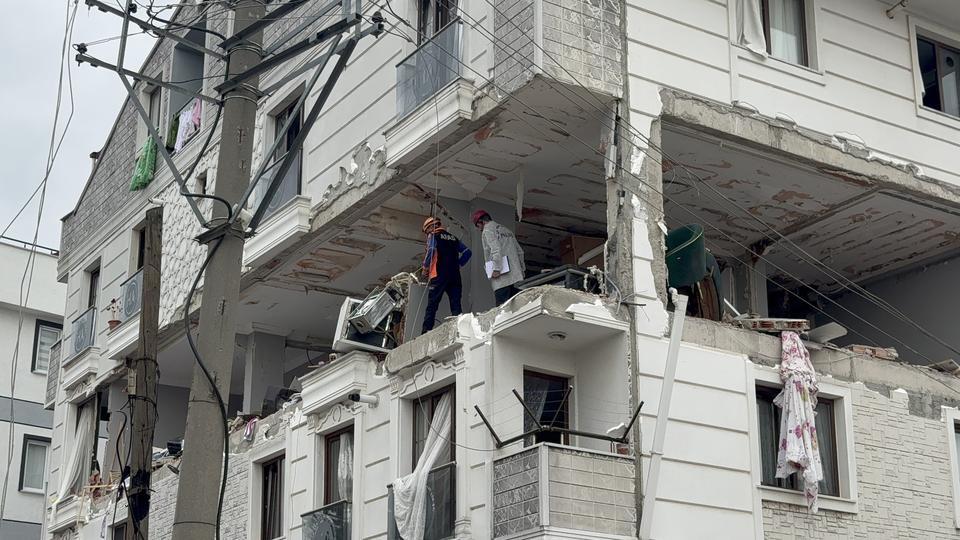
(842,220)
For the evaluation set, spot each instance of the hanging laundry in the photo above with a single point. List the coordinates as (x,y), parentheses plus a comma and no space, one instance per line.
(189,123)
(145,165)
(799,451)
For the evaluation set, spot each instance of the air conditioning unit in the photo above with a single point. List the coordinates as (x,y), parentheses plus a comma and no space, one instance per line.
(348,338)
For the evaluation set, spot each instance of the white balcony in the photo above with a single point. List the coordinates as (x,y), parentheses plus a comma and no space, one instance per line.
(281,230)
(333,382)
(67,513)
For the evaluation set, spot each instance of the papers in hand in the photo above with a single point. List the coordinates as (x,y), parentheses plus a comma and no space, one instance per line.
(504,267)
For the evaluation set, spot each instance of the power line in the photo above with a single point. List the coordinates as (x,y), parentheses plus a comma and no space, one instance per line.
(27,280)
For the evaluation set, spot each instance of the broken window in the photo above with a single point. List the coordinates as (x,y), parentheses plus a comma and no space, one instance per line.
(768,417)
(440,507)
(784,24)
(33,463)
(424,409)
(271,499)
(290,185)
(940,75)
(547,398)
(46,334)
(338,466)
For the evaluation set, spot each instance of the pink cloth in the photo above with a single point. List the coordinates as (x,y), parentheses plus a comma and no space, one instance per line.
(799,451)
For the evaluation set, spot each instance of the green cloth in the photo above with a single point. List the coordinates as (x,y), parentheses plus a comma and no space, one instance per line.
(146,162)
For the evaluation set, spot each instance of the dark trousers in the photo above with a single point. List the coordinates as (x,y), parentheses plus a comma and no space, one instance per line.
(504,293)
(453,287)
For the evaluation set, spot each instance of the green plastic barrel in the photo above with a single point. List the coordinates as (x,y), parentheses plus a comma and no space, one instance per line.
(686,256)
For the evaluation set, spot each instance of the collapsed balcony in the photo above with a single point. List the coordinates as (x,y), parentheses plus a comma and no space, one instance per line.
(786,243)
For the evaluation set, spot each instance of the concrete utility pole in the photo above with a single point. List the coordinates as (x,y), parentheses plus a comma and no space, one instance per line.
(143,370)
(200,473)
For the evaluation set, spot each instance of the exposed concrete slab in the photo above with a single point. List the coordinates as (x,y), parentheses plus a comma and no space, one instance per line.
(928,390)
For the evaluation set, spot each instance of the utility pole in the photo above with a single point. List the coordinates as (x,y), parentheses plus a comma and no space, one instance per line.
(143,370)
(200,472)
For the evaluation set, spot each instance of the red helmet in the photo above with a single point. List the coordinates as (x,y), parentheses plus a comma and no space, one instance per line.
(478,215)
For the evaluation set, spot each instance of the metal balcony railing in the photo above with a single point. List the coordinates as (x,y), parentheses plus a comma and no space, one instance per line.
(441,505)
(434,65)
(83,331)
(131,295)
(330,522)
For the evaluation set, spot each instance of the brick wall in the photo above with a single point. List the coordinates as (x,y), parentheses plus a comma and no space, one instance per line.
(516,493)
(581,44)
(904,477)
(592,492)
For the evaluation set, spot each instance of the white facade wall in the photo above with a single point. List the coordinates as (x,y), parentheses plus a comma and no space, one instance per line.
(862,79)
(23,511)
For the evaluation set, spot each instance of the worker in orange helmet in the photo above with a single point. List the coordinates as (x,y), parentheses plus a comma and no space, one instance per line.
(445,255)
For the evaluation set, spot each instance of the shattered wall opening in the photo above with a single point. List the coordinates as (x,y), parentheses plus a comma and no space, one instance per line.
(797,239)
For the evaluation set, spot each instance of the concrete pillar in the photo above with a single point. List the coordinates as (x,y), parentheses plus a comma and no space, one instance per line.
(263,368)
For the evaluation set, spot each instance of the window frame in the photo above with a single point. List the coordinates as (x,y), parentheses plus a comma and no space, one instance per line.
(41,323)
(920,28)
(951,419)
(34,439)
(434,399)
(564,437)
(938,46)
(848,500)
(93,287)
(328,439)
(805,38)
(280,460)
(772,392)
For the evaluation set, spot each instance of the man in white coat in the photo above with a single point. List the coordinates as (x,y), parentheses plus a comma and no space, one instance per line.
(502,256)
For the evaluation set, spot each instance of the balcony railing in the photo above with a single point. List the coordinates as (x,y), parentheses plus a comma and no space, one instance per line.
(331,522)
(435,64)
(131,295)
(441,505)
(83,331)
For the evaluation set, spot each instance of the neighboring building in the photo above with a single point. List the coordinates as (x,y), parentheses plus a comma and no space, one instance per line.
(39,345)
(799,130)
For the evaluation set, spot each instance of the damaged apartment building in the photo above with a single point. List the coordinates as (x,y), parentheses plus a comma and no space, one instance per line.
(785,165)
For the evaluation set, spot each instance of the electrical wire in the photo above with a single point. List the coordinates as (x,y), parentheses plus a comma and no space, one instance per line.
(793,247)
(27,281)
(746,248)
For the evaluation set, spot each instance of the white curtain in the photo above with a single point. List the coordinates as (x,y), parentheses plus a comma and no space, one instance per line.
(345,467)
(76,469)
(535,392)
(786,30)
(410,491)
(750,26)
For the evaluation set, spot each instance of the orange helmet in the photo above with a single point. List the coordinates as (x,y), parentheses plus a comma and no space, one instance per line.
(430,224)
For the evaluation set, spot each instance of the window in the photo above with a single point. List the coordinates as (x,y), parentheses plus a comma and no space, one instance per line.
(423,411)
(768,416)
(46,334)
(153,106)
(94,289)
(33,463)
(785,28)
(271,499)
(432,16)
(290,185)
(119,531)
(940,75)
(547,397)
(141,245)
(338,454)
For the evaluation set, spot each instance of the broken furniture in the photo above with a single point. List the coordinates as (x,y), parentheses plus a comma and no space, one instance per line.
(694,272)
(567,276)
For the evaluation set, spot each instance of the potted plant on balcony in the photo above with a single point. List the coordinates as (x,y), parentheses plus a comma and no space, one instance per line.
(114,314)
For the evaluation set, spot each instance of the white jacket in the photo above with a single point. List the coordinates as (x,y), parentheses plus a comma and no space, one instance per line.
(500,242)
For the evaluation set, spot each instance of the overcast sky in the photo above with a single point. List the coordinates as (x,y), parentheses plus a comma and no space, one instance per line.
(28,90)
